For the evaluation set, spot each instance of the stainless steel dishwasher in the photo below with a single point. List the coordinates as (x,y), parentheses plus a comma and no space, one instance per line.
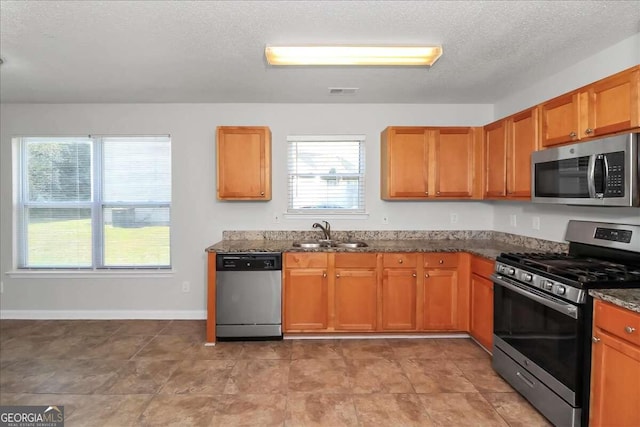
(249,295)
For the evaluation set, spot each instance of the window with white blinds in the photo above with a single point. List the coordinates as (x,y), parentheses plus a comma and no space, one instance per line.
(326,174)
(94,202)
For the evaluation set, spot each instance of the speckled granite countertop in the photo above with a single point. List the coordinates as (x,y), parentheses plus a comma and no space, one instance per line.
(625,298)
(482,247)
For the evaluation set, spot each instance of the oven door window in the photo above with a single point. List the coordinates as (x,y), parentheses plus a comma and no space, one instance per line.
(568,178)
(547,337)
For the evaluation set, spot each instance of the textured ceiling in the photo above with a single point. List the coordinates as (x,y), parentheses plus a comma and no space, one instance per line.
(213,51)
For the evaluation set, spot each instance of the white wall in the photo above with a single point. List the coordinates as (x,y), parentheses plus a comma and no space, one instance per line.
(554,218)
(198,219)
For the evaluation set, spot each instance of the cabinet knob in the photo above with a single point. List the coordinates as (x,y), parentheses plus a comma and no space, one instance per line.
(426,275)
(573,134)
(426,193)
(629,329)
(400,261)
(262,193)
(588,131)
(324,274)
(595,339)
(414,275)
(441,261)
(337,276)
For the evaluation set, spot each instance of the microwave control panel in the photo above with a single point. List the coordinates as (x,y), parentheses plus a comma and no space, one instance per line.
(614,185)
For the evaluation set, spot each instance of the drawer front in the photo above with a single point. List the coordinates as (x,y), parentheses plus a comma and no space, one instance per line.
(618,321)
(482,266)
(305,260)
(355,260)
(400,260)
(441,260)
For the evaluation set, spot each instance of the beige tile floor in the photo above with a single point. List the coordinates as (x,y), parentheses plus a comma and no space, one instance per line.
(158,373)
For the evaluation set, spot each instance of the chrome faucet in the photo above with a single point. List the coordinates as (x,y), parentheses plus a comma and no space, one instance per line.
(326,229)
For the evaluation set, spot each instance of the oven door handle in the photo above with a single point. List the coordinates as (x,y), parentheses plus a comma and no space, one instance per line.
(555,304)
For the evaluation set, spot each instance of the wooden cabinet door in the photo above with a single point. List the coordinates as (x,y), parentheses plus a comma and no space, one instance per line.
(404,172)
(453,162)
(305,299)
(495,137)
(399,299)
(613,104)
(243,163)
(440,300)
(523,140)
(560,120)
(615,382)
(482,310)
(355,299)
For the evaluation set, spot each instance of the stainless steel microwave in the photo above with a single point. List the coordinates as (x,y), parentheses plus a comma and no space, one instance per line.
(603,172)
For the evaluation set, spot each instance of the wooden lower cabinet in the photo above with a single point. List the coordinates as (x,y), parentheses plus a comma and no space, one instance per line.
(355,299)
(615,368)
(482,310)
(440,302)
(305,299)
(399,287)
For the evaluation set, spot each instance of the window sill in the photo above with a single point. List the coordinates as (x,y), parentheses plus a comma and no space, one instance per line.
(324,215)
(89,274)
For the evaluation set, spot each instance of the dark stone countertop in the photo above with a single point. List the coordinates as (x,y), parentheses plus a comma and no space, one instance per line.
(625,298)
(486,248)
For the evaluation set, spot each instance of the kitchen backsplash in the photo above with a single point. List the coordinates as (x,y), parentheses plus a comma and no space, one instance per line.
(528,242)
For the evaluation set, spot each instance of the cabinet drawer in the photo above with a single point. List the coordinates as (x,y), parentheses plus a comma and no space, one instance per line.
(440,260)
(400,260)
(482,266)
(355,260)
(618,321)
(305,260)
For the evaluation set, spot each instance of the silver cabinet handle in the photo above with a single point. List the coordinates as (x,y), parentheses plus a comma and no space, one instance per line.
(596,340)
(588,131)
(629,329)
(573,134)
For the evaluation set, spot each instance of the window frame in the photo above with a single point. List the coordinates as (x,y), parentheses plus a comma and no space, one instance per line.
(328,212)
(96,204)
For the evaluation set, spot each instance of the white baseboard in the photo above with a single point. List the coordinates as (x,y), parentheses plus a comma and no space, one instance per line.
(103,314)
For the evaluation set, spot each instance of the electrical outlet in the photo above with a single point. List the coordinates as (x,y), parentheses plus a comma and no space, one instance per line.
(512,220)
(535,223)
(385,220)
(186,287)
(454,218)
(276,218)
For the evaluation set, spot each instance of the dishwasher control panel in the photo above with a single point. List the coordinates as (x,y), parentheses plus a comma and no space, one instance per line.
(259,261)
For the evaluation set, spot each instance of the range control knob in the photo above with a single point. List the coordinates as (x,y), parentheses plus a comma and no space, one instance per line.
(527,277)
(548,285)
(561,290)
(511,271)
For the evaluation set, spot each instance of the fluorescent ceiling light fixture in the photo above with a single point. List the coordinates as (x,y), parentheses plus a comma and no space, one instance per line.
(353,55)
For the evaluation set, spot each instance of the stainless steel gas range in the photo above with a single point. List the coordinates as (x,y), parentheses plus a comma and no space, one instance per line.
(543,314)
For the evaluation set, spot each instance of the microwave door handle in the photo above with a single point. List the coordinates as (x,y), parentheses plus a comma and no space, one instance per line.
(591,176)
(605,175)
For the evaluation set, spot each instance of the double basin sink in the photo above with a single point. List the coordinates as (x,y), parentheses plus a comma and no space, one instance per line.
(321,243)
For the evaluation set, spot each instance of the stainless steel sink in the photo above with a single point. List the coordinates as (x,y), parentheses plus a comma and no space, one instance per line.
(351,245)
(316,244)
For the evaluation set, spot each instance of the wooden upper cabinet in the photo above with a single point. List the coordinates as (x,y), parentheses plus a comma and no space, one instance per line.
(495,139)
(243,163)
(605,107)
(454,162)
(522,141)
(613,104)
(508,146)
(419,163)
(404,163)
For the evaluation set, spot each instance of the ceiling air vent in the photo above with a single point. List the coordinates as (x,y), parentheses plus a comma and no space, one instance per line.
(343,90)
